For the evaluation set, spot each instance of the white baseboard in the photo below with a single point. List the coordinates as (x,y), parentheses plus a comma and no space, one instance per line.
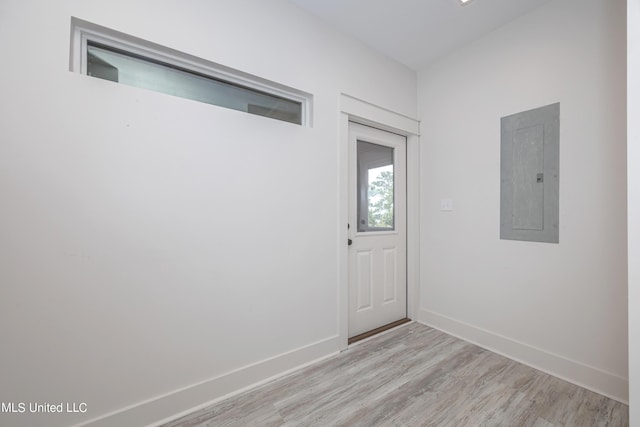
(588,377)
(177,403)
(167,407)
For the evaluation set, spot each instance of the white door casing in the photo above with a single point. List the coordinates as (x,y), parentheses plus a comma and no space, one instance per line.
(377,254)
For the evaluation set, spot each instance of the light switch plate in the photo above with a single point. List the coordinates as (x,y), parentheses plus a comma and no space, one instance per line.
(446,205)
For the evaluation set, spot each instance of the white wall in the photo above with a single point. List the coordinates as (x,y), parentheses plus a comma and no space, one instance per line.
(150,243)
(561,308)
(633,160)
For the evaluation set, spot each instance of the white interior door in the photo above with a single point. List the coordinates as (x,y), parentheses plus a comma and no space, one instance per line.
(377,228)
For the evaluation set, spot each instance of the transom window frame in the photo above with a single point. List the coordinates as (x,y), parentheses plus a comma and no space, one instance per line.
(83,33)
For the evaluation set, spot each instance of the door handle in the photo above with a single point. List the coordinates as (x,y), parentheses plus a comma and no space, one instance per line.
(349,242)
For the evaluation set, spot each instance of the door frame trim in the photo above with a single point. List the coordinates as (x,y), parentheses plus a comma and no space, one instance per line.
(359,111)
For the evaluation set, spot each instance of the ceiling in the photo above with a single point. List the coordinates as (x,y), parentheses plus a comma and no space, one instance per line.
(416,32)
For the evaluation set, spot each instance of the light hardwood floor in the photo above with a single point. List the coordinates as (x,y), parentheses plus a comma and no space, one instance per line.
(414,376)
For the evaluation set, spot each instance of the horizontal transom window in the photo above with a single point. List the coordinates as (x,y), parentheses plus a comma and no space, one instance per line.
(105,54)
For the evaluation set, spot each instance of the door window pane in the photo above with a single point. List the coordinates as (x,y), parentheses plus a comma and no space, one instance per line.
(375,187)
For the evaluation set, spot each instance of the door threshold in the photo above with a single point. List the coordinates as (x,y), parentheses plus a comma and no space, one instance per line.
(376,331)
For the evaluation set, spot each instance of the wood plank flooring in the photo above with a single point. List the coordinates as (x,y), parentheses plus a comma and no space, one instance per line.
(414,376)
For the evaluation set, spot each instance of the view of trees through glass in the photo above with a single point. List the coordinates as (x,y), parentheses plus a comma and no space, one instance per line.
(375,187)
(380,197)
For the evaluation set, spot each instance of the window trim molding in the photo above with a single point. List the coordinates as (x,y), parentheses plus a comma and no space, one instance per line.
(82,32)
